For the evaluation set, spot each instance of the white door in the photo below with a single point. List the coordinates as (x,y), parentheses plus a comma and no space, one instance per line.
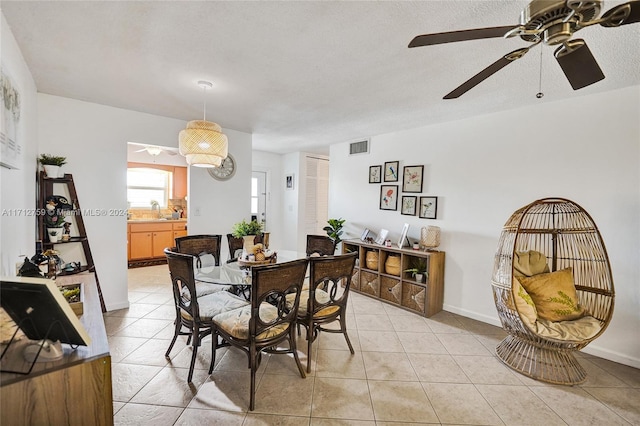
(317,195)
(259,197)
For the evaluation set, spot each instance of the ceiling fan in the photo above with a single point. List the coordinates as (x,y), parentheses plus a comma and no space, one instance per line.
(552,22)
(155,150)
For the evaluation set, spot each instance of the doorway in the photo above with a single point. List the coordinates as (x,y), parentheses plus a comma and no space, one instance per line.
(259,198)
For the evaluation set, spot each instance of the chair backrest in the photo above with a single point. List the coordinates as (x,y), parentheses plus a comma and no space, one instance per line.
(199,245)
(270,285)
(333,275)
(235,244)
(321,244)
(183,281)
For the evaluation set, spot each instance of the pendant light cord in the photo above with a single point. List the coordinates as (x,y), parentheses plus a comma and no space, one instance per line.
(204,97)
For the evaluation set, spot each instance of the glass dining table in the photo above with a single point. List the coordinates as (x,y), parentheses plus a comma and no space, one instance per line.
(236,275)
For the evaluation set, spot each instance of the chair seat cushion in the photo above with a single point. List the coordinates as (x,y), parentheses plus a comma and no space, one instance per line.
(236,322)
(574,331)
(216,303)
(321,298)
(203,289)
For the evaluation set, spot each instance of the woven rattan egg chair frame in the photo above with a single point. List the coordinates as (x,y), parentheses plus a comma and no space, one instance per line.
(567,235)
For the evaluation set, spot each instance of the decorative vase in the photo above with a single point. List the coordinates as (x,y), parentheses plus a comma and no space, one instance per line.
(55,234)
(248,244)
(392,265)
(51,171)
(265,240)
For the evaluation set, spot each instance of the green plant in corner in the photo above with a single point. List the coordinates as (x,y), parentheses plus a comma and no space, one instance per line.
(334,230)
(245,228)
(52,160)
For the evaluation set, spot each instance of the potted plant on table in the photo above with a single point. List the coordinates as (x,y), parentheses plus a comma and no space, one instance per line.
(52,164)
(247,231)
(418,269)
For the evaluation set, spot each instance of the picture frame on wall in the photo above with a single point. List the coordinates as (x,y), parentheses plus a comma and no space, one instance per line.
(375,174)
(428,207)
(408,205)
(289,181)
(389,197)
(391,171)
(412,178)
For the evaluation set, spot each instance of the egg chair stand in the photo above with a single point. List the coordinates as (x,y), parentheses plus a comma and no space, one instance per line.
(567,236)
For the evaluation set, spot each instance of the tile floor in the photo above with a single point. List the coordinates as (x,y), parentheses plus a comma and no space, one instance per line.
(406,370)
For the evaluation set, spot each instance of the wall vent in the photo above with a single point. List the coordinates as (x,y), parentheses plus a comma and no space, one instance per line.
(361,147)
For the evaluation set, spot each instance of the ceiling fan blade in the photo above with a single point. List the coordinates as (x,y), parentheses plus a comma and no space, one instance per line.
(453,36)
(170,152)
(578,64)
(623,14)
(487,72)
(140,150)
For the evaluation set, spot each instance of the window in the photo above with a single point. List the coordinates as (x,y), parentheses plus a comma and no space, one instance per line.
(146,185)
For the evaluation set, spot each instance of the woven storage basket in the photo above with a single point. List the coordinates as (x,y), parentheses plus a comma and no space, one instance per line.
(372,260)
(430,237)
(392,265)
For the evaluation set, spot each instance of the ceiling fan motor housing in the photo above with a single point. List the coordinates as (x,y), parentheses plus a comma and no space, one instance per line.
(557,20)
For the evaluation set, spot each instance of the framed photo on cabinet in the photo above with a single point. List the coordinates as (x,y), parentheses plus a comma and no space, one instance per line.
(389,197)
(375,174)
(428,207)
(391,171)
(412,178)
(408,205)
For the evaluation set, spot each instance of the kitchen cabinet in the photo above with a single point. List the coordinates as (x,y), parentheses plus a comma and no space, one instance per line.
(148,239)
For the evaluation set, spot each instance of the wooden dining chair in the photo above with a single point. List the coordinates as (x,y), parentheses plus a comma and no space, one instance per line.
(201,246)
(325,301)
(195,313)
(235,244)
(320,244)
(267,321)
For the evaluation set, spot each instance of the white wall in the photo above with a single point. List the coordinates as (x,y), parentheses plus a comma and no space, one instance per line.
(94,140)
(213,205)
(291,216)
(483,168)
(17,227)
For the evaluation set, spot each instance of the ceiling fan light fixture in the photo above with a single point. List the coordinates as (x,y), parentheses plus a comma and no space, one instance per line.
(202,142)
(154,151)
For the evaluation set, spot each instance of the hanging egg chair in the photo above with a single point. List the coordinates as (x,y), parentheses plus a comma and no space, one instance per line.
(553,289)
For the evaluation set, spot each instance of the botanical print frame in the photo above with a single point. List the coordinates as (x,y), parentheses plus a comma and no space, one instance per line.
(412,178)
(391,171)
(428,207)
(375,174)
(289,181)
(408,205)
(389,197)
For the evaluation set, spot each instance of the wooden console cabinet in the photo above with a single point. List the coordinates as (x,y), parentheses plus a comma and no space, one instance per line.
(75,390)
(424,298)
(147,240)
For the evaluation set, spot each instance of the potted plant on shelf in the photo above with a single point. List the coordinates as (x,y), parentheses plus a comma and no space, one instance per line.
(54,221)
(247,231)
(52,164)
(418,269)
(334,230)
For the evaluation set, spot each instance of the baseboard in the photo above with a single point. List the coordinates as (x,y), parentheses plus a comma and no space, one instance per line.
(591,349)
(116,306)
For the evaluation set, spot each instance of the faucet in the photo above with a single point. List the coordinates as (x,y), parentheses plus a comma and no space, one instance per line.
(155,206)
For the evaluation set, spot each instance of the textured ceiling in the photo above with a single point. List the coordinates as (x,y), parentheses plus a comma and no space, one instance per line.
(298,75)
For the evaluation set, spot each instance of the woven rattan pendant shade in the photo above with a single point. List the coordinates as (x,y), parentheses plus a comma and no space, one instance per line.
(203,144)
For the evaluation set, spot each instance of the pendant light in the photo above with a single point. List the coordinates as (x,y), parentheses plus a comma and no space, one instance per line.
(202,143)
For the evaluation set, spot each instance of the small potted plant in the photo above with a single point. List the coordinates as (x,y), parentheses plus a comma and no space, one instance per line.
(52,164)
(418,269)
(334,230)
(248,231)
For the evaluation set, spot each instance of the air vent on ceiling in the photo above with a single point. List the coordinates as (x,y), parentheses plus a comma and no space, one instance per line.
(361,147)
